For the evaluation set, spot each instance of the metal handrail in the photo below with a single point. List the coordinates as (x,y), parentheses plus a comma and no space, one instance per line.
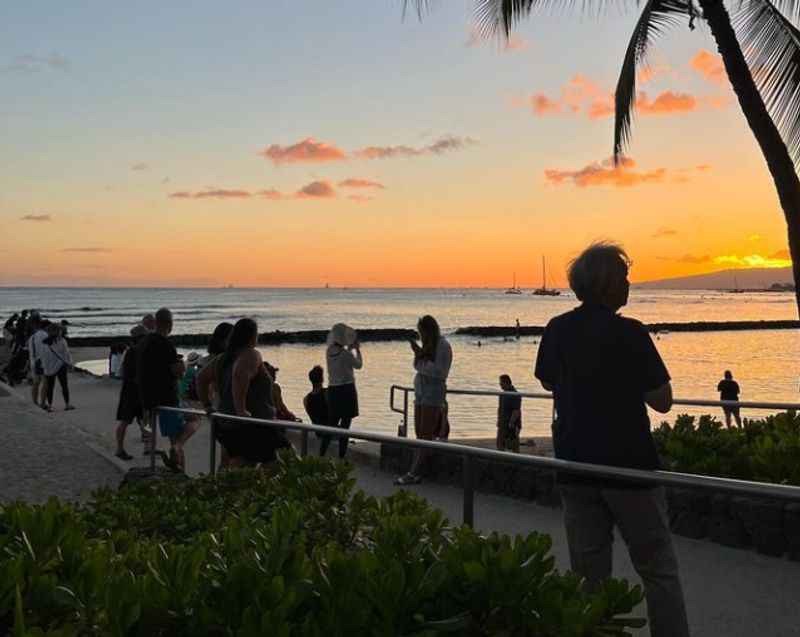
(699,402)
(468,453)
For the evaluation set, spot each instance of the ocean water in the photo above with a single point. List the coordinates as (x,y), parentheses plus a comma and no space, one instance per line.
(763,362)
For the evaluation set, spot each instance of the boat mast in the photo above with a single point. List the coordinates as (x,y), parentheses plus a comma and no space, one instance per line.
(544,275)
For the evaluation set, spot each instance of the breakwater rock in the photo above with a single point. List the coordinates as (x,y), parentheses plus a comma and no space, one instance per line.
(490,331)
(267,338)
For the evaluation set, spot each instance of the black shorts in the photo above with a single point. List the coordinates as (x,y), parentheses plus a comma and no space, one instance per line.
(129,407)
(731,411)
(252,443)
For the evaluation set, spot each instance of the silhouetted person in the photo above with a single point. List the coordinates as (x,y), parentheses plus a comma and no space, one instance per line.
(516,329)
(509,416)
(604,370)
(729,390)
(342,357)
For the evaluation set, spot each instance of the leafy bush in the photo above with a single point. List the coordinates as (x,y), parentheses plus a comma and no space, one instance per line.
(764,450)
(292,553)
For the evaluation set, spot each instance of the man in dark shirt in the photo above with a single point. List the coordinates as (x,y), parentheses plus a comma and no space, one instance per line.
(509,416)
(158,369)
(603,370)
(729,390)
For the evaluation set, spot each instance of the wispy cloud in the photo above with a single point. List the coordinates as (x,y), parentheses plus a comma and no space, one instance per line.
(356,182)
(709,66)
(781,254)
(271,193)
(38,218)
(605,173)
(582,96)
(316,190)
(87,250)
(754,237)
(307,151)
(662,232)
(212,193)
(31,63)
(446,144)
(139,166)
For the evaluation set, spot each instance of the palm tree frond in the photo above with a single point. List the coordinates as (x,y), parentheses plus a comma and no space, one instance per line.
(498,17)
(420,7)
(656,17)
(771,46)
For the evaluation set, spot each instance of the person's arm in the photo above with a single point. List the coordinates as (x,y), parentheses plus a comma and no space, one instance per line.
(204,381)
(516,418)
(67,353)
(439,367)
(358,361)
(660,398)
(244,371)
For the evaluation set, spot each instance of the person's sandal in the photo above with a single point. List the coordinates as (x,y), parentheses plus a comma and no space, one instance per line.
(407,479)
(123,455)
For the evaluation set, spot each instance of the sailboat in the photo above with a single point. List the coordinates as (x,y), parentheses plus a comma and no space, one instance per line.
(544,290)
(514,289)
(736,289)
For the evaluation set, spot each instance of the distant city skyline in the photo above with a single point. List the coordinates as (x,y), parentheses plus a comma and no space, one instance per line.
(274,145)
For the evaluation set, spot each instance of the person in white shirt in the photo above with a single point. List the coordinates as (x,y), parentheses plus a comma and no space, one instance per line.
(343,355)
(56,361)
(35,346)
(432,361)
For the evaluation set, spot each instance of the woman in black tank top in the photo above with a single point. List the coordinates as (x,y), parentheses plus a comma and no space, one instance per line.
(244,389)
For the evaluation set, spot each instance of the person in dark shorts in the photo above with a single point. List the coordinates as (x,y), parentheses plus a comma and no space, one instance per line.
(604,370)
(342,356)
(509,416)
(158,371)
(244,388)
(129,406)
(729,390)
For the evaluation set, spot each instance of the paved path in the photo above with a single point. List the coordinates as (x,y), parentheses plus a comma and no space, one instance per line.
(42,456)
(729,592)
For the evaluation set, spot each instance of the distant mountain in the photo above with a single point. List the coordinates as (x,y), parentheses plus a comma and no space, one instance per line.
(753,279)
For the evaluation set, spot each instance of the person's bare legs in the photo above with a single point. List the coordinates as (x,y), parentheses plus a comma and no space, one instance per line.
(122,428)
(36,389)
(727,418)
(190,427)
(738,418)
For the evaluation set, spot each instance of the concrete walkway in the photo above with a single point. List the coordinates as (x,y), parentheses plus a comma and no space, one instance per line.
(729,592)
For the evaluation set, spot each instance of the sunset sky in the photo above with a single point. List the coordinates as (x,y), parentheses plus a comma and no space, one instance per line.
(286,143)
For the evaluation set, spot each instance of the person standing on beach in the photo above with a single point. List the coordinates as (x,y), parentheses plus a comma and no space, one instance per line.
(432,362)
(56,362)
(729,390)
(35,347)
(316,401)
(509,416)
(603,370)
(158,370)
(342,356)
(129,406)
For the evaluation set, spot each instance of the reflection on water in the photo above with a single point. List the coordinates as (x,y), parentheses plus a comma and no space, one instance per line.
(763,362)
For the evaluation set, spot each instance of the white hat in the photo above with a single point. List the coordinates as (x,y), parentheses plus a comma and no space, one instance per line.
(193,358)
(341,334)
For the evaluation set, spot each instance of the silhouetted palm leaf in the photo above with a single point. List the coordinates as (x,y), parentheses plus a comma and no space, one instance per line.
(656,17)
(771,46)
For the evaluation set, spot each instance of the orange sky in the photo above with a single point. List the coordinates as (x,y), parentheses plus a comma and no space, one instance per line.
(370,170)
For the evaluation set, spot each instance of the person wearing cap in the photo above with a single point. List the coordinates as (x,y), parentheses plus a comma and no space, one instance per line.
(342,356)
(149,323)
(129,407)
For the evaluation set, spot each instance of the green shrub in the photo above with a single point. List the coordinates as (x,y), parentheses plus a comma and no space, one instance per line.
(292,553)
(765,450)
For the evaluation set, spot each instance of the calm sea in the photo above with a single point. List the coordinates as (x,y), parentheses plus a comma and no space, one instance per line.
(764,362)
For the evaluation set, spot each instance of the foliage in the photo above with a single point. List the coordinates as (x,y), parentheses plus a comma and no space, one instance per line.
(296,552)
(764,450)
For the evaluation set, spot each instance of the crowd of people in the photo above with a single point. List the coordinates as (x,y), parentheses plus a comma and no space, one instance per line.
(38,350)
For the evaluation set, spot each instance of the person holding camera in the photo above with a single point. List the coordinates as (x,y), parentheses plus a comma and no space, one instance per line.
(342,357)
(432,361)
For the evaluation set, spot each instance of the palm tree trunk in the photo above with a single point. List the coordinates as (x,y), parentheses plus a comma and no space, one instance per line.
(779,162)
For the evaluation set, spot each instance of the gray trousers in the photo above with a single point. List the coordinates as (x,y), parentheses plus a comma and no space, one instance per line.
(590,514)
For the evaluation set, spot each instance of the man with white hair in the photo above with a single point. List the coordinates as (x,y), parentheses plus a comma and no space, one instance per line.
(604,370)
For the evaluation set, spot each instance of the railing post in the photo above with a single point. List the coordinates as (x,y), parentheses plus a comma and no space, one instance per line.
(303,443)
(212,445)
(469,491)
(405,414)
(153,418)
